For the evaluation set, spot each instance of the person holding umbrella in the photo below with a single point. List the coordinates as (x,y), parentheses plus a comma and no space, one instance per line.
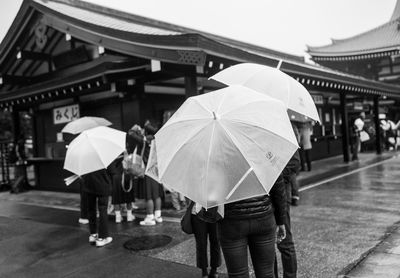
(88,157)
(227,149)
(286,245)
(97,187)
(72,130)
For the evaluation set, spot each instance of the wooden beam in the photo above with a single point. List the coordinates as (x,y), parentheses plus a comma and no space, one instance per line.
(34,66)
(378,143)
(345,127)
(15,79)
(31,55)
(191,86)
(30,62)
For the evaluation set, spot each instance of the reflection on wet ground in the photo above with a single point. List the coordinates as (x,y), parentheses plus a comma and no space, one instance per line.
(335,225)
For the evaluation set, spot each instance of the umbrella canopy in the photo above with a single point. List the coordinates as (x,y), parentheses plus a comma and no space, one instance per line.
(274,83)
(94,149)
(152,166)
(225,146)
(84,123)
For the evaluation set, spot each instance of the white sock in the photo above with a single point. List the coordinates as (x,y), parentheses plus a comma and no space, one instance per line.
(157,213)
(129,212)
(117,213)
(150,216)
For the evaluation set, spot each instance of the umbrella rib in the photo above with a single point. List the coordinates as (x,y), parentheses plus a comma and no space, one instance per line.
(208,160)
(239,182)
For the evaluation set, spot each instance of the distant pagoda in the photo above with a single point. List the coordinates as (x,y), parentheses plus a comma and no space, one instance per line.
(374,54)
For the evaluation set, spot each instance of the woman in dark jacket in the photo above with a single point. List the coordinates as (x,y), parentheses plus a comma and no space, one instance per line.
(251,223)
(97,187)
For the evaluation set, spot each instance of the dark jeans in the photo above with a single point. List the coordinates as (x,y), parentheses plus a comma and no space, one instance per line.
(84,202)
(288,252)
(258,234)
(102,203)
(305,158)
(203,230)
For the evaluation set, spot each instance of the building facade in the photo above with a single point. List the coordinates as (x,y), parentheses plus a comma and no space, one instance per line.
(64,59)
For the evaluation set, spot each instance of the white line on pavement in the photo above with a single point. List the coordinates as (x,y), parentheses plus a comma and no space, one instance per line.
(304,188)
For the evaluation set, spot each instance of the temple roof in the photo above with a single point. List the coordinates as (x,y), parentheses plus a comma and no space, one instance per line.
(384,38)
(137,38)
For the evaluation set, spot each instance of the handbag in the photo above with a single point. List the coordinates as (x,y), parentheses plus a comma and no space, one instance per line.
(123,184)
(186,220)
(133,164)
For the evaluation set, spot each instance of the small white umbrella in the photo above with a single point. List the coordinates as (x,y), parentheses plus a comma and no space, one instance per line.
(84,123)
(224,146)
(94,149)
(274,83)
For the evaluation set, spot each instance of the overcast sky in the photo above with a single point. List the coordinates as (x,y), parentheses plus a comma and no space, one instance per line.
(283,25)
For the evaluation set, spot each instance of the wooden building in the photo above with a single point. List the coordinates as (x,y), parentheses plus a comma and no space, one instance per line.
(374,54)
(62,59)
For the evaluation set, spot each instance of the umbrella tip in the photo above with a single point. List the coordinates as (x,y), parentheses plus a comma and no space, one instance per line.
(215,116)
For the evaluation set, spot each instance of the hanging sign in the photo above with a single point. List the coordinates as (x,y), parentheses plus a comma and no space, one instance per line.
(318,99)
(65,114)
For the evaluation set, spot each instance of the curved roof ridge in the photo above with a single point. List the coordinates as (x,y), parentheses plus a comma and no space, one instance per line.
(171,27)
(337,42)
(396,11)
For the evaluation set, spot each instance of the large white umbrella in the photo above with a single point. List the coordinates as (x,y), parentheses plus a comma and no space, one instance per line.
(224,146)
(274,83)
(94,149)
(84,123)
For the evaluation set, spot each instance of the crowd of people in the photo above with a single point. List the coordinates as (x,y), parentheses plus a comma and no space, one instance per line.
(256,224)
(116,188)
(361,134)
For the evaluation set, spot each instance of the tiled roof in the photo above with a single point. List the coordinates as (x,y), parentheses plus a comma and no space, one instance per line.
(382,38)
(396,11)
(104,20)
(134,24)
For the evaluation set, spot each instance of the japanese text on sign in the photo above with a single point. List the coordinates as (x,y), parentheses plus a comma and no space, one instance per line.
(65,114)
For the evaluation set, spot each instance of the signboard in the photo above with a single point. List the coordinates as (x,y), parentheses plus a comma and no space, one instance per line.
(318,99)
(65,114)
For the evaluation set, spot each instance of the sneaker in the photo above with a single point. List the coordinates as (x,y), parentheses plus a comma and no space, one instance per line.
(148,222)
(118,218)
(93,238)
(83,221)
(130,217)
(158,219)
(100,242)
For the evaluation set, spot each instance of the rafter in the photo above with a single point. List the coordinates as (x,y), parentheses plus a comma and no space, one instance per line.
(14,80)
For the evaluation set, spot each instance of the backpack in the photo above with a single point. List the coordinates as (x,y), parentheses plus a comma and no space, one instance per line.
(133,163)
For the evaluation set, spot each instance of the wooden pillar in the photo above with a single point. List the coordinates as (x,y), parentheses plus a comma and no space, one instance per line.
(16,124)
(345,127)
(377,126)
(191,86)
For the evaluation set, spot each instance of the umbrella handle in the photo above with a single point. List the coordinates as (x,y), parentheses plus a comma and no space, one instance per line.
(70,179)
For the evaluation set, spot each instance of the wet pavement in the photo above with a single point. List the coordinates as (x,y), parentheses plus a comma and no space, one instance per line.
(346,225)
